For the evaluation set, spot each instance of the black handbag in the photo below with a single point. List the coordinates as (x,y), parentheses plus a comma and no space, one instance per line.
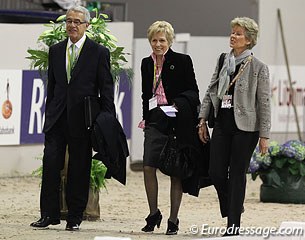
(174,160)
(211,116)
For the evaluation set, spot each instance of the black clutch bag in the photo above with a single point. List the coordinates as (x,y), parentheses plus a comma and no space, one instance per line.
(92,110)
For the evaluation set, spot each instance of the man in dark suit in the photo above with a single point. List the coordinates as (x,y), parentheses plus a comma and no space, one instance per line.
(73,74)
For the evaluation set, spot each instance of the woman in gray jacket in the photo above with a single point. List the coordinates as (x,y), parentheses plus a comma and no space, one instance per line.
(239,96)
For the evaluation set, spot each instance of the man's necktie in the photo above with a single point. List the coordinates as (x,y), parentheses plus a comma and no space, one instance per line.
(71,61)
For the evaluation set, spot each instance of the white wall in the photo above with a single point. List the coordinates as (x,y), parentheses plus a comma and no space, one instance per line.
(271,47)
(293,19)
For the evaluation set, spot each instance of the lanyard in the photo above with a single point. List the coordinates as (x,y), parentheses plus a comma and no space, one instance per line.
(156,82)
(243,67)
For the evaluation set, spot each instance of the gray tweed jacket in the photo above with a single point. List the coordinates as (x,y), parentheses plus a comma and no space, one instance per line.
(251,101)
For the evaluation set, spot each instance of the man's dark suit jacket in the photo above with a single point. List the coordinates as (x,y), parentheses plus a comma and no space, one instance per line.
(177,76)
(90,77)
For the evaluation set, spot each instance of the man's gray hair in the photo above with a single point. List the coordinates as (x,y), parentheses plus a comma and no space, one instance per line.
(81,9)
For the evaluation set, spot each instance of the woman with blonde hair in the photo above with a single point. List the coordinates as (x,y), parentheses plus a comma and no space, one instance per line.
(239,98)
(167,79)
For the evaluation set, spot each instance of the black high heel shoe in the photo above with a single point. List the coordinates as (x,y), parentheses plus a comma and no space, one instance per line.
(172,228)
(152,221)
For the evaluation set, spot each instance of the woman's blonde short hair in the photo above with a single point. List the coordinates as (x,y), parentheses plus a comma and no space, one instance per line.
(163,27)
(250,26)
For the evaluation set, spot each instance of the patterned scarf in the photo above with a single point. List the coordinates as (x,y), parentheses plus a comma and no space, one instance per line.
(228,69)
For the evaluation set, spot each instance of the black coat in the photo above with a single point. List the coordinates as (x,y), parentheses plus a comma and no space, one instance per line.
(177,76)
(109,141)
(187,135)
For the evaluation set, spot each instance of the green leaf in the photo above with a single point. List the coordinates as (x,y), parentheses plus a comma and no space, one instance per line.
(48,24)
(123,59)
(302,169)
(276,178)
(61,18)
(104,15)
(39,63)
(118,50)
(37,172)
(111,45)
(97,175)
(89,34)
(113,38)
(293,171)
(102,36)
(280,162)
(96,11)
(38,53)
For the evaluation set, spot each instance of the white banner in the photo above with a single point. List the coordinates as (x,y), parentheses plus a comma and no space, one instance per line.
(10,100)
(282,113)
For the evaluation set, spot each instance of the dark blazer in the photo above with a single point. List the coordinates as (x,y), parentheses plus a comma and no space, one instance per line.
(90,77)
(177,76)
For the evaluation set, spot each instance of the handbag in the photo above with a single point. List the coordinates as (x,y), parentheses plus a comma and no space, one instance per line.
(211,116)
(174,160)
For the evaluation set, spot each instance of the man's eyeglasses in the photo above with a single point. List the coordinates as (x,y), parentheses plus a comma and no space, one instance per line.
(76,22)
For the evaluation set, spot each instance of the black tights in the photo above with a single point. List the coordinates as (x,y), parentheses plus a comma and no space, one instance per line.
(151,187)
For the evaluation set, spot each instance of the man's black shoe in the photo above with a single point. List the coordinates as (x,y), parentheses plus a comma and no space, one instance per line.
(72,227)
(45,222)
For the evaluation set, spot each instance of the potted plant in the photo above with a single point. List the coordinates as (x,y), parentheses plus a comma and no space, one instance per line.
(282,171)
(98,32)
(97,182)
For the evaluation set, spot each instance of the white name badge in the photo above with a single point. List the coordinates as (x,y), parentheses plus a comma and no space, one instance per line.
(153,103)
(226,101)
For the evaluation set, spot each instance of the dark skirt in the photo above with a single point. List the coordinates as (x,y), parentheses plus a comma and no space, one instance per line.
(154,141)
(155,136)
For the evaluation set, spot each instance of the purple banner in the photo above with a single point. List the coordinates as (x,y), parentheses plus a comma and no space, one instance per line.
(33,105)
(122,102)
